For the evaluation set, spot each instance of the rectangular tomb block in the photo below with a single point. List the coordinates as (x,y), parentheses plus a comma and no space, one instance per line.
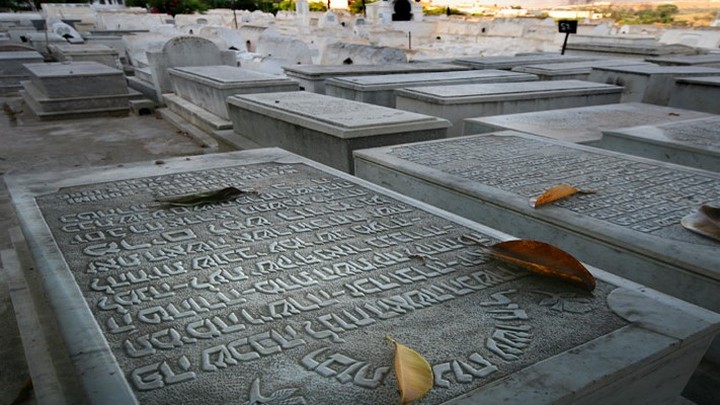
(99,53)
(509,62)
(324,128)
(77,79)
(629,224)
(582,124)
(709,60)
(209,86)
(287,292)
(647,84)
(312,77)
(572,70)
(694,143)
(456,103)
(11,63)
(697,93)
(379,89)
(618,50)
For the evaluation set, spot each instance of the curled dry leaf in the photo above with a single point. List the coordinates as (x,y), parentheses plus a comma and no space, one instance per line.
(556,193)
(208,197)
(544,259)
(706,222)
(413,372)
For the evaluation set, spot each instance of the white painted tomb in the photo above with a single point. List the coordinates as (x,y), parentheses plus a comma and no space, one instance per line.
(581,124)
(629,224)
(12,71)
(76,89)
(312,77)
(286,293)
(324,128)
(380,89)
(647,84)
(573,70)
(694,143)
(697,93)
(458,102)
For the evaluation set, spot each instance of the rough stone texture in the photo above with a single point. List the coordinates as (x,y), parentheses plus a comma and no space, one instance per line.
(694,143)
(312,77)
(509,62)
(589,49)
(324,128)
(287,292)
(99,53)
(77,79)
(209,86)
(710,60)
(647,84)
(696,93)
(458,102)
(582,124)
(572,70)
(630,225)
(379,89)
(12,71)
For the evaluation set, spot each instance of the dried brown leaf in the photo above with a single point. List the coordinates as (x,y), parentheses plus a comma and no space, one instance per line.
(706,222)
(544,259)
(556,193)
(208,197)
(413,372)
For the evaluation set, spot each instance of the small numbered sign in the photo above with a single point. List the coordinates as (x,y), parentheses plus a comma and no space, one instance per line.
(567,26)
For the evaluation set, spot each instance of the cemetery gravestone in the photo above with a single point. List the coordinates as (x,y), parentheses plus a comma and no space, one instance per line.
(696,93)
(379,89)
(324,128)
(99,53)
(572,70)
(582,124)
(710,60)
(509,62)
(285,294)
(694,143)
(458,102)
(12,71)
(629,224)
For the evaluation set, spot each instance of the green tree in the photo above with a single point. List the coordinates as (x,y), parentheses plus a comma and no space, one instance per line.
(358,6)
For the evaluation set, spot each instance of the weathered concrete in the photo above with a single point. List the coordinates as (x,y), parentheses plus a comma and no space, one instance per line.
(573,70)
(509,62)
(696,93)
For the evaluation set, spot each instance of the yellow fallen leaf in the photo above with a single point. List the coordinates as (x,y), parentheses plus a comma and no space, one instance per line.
(413,372)
(544,259)
(556,193)
(706,222)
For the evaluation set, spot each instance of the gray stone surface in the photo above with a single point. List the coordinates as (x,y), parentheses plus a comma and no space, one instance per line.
(630,225)
(456,103)
(596,49)
(582,124)
(209,86)
(12,71)
(509,62)
(710,60)
(694,143)
(697,93)
(286,294)
(324,128)
(77,79)
(99,53)
(379,89)
(647,84)
(572,70)
(312,77)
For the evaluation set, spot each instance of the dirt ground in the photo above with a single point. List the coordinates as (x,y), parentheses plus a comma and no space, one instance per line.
(29,145)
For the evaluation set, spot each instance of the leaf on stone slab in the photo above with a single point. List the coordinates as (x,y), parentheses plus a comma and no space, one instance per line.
(207,197)
(706,222)
(544,259)
(413,372)
(556,193)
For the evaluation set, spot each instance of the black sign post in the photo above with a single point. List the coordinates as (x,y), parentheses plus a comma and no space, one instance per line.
(568,27)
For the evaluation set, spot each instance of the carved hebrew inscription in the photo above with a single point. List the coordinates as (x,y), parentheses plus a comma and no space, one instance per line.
(284,295)
(641,196)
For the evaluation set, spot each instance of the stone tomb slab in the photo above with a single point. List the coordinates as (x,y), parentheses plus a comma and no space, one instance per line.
(209,86)
(709,60)
(630,225)
(647,83)
(12,71)
(379,89)
(458,102)
(580,125)
(77,79)
(509,62)
(572,70)
(694,143)
(99,53)
(697,93)
(287,293)
(324,128)
(312,77)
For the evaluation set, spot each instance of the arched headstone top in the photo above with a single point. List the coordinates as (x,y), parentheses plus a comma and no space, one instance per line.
(191,51)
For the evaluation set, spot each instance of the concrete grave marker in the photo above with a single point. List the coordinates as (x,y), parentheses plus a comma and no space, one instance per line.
(572,70)
(509,62)
(285,294)
(694,143)
(458,102)
(582,124)
(324,128)
(710,60)
(12,71)
(696,93)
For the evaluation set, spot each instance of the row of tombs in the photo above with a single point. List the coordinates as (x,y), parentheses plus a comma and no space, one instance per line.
(475,137)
